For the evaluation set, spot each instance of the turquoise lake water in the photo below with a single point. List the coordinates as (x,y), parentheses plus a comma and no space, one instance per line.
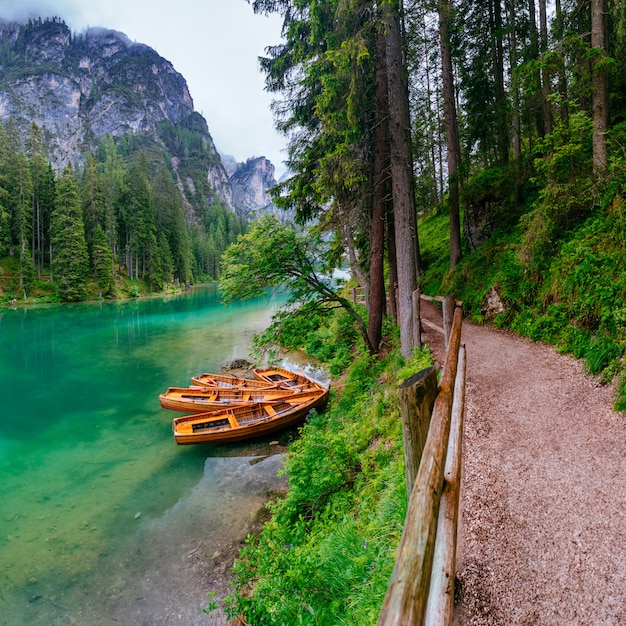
(100,511)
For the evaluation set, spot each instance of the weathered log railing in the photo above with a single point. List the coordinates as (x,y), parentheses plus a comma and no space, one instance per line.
(421,588)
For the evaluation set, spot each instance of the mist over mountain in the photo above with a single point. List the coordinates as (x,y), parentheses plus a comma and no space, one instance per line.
(79,88)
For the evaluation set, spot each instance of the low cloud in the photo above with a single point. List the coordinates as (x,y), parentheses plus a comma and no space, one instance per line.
(214,44)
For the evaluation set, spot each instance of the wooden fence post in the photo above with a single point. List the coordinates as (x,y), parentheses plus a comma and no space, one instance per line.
(407,593)
(417,397)
(441,593)
(448,306)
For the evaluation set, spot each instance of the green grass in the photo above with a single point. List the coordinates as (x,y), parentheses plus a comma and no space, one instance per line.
(330,544)
(434,236)
(577,302)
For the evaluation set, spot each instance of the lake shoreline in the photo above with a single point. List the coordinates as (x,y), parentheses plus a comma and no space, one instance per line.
(219,579)
(104,519)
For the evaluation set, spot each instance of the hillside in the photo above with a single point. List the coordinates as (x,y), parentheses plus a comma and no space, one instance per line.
(112,123)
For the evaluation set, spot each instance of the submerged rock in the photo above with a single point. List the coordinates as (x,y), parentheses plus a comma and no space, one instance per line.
(238,364)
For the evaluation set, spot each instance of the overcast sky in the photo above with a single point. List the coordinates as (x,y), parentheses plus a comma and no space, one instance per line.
(214,44)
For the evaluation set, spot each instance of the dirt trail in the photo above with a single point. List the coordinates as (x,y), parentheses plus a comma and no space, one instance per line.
(543,529)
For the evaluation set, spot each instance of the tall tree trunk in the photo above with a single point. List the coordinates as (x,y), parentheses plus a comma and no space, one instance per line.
(381,175)
(502,113)
(22,255)
(40,251)
(517,125)
(600,86)
(535,104)
(128,257)
(545,74)
(393,266)
(440,143)
(405,219)
(34,229)
(433,122)
(558,33)
(452,132)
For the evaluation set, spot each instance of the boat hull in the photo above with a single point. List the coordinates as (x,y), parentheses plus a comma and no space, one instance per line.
(203,399)
(244,423)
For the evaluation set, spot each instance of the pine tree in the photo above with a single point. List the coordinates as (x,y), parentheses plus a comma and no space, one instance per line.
(20,194)
(405,219)
(167,262)
(102,261)
(92,202)
(37,160)
(70,257)
(452,130)
(136,219)
(111,170)
(170,220)
(5,213)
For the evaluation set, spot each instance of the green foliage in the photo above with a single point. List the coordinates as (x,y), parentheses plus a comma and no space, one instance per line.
(27,273)
(212,603)
(70,258)
(420,359)
(103,262)
(127,195)
(221,229)
(620,405)
(434,232)
(273,255)
(329,337)
(568,288)
(564,179)
(330,544)
(268,256)
(490,184)
(334,342)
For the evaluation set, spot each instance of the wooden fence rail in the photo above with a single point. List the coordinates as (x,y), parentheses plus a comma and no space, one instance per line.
(421,588)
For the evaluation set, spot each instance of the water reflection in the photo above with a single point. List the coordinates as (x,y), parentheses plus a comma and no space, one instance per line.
(99,509)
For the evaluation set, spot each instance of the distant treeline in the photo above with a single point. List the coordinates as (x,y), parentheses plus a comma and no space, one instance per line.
(121,214)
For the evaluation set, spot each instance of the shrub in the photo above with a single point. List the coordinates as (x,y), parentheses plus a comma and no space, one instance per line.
(330,545)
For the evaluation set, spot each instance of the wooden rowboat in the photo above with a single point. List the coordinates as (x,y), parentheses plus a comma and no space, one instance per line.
(283,377)
(202,399)
(230,382)
(247,422)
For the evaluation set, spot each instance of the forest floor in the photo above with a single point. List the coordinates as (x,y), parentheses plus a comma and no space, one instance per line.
(542,538)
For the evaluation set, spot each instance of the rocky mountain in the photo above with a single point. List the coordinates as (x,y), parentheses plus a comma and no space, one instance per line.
(79,88)
(251,182)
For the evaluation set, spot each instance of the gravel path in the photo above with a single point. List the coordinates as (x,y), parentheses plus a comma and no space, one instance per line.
(543,529)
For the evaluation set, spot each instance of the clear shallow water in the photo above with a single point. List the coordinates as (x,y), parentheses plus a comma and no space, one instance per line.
(95,496)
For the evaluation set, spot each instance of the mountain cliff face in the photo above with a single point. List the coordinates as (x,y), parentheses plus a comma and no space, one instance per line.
(79,88)
(251,182)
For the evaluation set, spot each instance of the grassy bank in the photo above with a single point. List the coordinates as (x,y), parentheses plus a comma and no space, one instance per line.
(330,544)
(559,279)
(43,291)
